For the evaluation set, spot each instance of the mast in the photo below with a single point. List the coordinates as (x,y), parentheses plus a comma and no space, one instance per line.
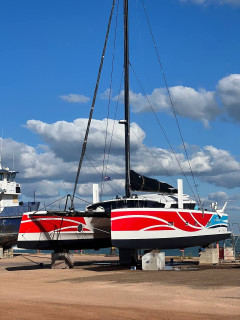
(126,100)
(1,147)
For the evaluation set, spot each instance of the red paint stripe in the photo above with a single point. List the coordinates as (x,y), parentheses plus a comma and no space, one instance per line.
(134,223)
(49,224)
(160,228)
(202,218)
(138,223)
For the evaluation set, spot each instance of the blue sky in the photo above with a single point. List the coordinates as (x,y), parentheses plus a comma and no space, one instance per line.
(51,49)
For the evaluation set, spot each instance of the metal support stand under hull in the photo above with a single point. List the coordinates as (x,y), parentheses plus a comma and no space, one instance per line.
(128,257)
(62,260)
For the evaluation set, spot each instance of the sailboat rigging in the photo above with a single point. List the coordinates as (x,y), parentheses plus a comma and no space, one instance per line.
(162,218)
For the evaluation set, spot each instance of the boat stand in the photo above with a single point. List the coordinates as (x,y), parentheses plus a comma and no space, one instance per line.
(6,253)
(209,255)
(62,260)
(153,261)
(128,257)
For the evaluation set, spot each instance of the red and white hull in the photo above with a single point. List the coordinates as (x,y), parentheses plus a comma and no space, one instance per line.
(56,232)
(140,228)
(148,228)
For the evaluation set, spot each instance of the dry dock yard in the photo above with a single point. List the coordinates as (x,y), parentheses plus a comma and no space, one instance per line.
(98,288)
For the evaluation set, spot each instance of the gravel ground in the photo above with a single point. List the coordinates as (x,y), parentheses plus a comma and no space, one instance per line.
(98,288)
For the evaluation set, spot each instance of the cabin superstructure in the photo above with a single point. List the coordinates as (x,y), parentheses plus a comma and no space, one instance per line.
(9,189)
(161,200)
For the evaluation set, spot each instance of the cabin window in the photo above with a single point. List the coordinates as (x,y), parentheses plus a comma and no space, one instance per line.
(185,205)
(18,190)
(11,177)
(189,206)
(131,204)
(171,223)
(136,203)
(155,204)
(1,176)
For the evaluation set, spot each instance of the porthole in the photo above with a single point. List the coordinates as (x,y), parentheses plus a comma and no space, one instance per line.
(80,228)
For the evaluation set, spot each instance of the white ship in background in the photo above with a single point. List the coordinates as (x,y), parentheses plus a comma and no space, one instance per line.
(11,210)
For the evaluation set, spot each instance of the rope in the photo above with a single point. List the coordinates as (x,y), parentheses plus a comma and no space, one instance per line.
(121,176)
(101,175)
(114,121)
(109,103)
(83,200)
(92,107)
(171,102)
(163,131)
(50,204)
(166,172)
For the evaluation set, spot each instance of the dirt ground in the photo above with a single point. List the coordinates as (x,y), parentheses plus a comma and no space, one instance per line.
(98,288)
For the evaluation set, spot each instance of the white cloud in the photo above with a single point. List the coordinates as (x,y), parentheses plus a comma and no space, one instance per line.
(110,188)
(47,188)
(213,161)
(158,100)
(66,138)
(216,2)
(35,164)
(227,180)
(189,103)
(51,170)
(105,95)
(229,92)
(196,1)
(221,196)
(209,164)
(198,105)
(75,98)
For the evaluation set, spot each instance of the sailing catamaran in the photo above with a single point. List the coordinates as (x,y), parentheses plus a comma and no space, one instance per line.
(162,218)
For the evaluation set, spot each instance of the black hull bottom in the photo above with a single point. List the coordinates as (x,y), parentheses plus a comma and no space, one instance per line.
(7,240)
(162,243)
(10,219)
(169,243)
(57,245)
